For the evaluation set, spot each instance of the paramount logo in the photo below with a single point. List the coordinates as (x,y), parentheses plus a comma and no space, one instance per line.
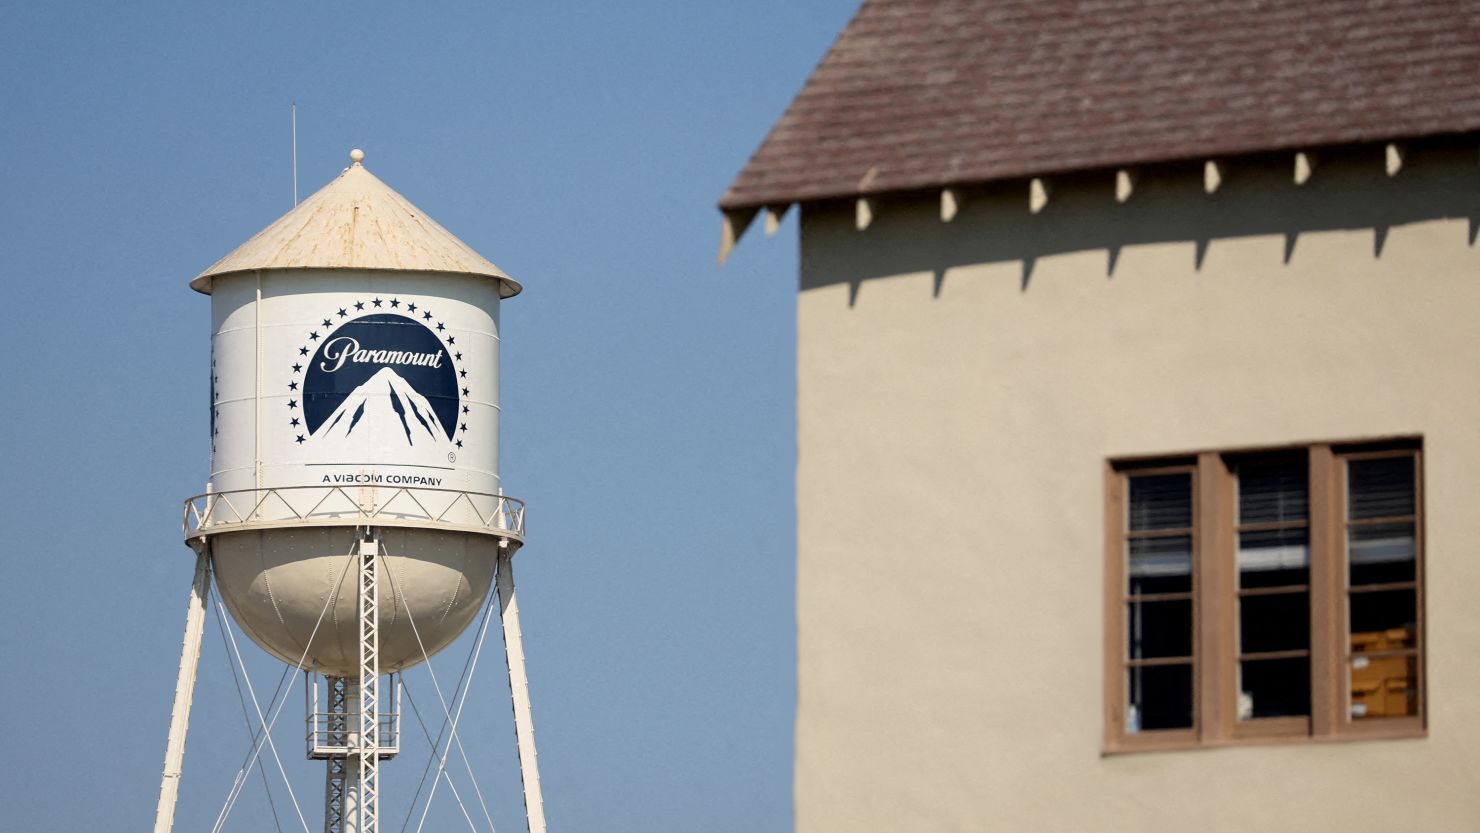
(347,349)
(381,382)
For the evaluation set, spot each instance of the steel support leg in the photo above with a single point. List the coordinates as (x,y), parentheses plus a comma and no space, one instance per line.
(351,783)
(337,768)
(336,773)
(174,754)
(350,816)
(529,770)
(365,761)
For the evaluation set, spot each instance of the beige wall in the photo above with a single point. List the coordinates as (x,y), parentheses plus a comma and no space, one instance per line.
(954,418)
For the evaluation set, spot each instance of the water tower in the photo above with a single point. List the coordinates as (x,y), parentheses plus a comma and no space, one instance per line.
(354,520)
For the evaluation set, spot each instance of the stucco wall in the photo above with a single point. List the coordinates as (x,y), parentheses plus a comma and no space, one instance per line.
(960,386)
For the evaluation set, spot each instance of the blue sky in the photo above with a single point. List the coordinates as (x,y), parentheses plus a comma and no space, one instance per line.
(648,397)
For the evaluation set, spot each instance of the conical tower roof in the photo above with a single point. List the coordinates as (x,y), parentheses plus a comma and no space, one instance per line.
(356,222)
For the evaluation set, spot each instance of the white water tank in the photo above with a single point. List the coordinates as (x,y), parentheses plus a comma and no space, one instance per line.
(354,384)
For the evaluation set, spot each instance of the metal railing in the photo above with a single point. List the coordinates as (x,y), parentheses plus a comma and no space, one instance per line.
(335,733)
(285,506)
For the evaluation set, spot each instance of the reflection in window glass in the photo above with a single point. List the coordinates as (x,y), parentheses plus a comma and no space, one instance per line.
(1273,557)
(1381,553)
(1159,565)
(1273,498)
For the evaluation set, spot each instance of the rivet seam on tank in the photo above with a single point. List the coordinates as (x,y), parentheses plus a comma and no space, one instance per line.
(398,599)
(267,585)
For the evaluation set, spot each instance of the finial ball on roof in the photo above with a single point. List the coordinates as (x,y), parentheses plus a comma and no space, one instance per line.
(357,156)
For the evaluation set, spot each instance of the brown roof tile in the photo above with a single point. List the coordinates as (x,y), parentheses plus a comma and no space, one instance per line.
(926,93)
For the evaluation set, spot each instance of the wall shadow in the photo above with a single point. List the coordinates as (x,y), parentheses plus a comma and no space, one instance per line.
(1350,189)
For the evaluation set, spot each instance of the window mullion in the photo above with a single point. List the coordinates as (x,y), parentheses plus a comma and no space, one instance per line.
(1214,607)
(1327,594)
(1420,547)
(1114,636)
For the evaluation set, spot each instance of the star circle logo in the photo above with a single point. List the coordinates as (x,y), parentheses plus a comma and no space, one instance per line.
(379,373)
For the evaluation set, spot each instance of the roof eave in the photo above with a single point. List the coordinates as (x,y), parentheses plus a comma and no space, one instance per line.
(508,287)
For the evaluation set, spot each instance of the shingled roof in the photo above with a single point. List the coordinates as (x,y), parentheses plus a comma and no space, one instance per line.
(919,94)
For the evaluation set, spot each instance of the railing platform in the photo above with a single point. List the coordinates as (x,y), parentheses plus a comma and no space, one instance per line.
(334,726)
(282,507)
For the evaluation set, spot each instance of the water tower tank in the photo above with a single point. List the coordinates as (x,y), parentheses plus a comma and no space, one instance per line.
(354,384)
(354,519)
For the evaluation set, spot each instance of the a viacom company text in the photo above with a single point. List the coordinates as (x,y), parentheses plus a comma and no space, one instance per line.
(378,479)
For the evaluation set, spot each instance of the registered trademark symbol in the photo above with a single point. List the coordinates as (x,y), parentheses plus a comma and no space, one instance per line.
(452,457)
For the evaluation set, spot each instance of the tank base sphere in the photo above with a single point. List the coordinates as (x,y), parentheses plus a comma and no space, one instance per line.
(277,583)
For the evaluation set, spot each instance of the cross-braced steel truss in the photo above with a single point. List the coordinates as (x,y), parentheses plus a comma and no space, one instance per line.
(367,758)
(351,738)
(337,726)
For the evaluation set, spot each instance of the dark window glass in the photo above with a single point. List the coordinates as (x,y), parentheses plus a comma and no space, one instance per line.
(1160,501)
(1160,697)
(1278,622)
(1272,490)
(1380,488)
(1159,629)
(1159,565)
(1274,688)
(1273,557)
(1380,553)
(1383,620)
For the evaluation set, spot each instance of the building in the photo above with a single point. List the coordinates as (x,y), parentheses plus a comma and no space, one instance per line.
(1137,415)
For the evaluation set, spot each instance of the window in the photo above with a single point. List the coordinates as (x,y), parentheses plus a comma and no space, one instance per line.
(1264,595)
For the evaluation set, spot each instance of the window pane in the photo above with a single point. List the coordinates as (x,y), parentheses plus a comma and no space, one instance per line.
(1159,565)
(1272,490)
(1381,553)
(1383,621)
(1274,623)
(1160,501)
(1159,629)
(1273,558)
(1379,488)
(1274,688)
(1384,687)
(1160,697)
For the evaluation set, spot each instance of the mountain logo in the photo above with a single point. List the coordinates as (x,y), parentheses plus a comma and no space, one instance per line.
(382,380)
(386,399)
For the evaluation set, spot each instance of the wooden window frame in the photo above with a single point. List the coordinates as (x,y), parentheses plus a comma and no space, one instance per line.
(1215,595)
